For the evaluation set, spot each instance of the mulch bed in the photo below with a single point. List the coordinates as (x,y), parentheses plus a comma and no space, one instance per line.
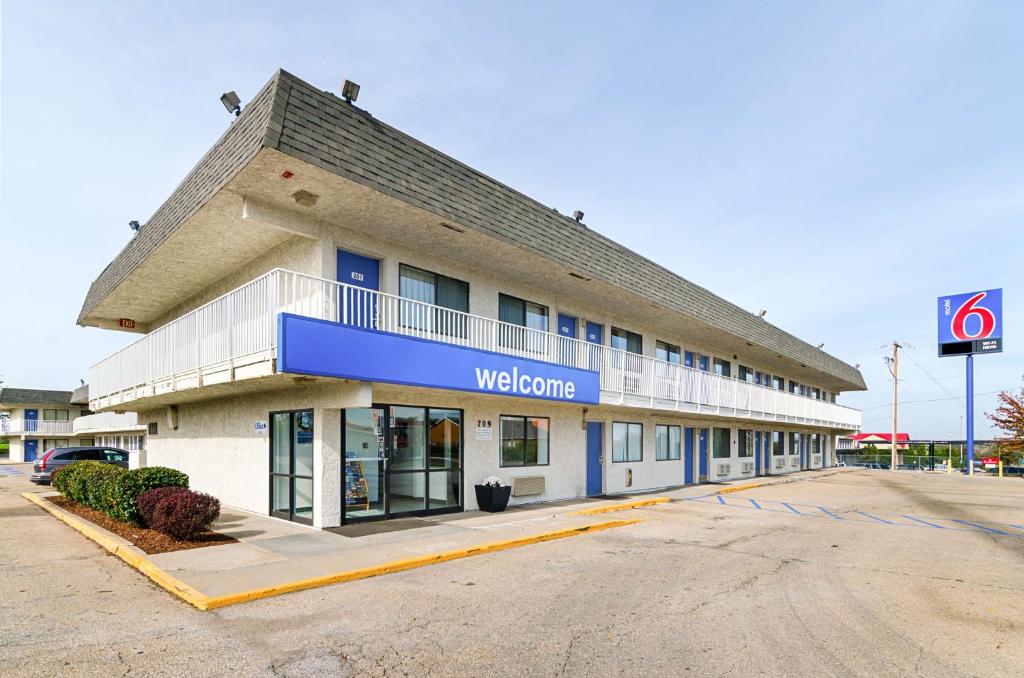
(148,540)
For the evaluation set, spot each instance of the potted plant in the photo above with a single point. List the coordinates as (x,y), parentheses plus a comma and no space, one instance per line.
(492,496)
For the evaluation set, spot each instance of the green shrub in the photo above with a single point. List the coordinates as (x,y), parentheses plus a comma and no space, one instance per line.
(111,489)
(123,492)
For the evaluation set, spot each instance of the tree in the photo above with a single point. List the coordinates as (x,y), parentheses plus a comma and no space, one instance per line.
(1009,419)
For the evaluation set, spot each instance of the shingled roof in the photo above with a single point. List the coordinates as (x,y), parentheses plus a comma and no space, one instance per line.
(297,119)
(33,396)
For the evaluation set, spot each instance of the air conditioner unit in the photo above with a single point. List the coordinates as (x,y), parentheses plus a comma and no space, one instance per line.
(527,486)
(722,470)
(748,467)
(780,463)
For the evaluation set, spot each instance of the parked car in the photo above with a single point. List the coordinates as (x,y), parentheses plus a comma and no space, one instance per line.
(58,457)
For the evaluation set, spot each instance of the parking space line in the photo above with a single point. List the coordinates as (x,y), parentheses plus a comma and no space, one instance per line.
(754,502)
(981,527)
(829,513)
(721,499)
(881,520)
(925,522)
(792,509)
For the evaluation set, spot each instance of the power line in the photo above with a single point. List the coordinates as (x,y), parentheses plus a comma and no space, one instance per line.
(932,400)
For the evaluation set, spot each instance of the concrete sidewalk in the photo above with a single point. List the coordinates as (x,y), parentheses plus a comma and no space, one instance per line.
(273,556)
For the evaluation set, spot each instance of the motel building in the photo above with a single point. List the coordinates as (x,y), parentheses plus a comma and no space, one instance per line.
(338,323)
(36,420)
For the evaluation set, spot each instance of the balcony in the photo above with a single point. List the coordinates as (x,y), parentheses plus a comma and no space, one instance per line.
(234,337)
(35,427)
(104,422)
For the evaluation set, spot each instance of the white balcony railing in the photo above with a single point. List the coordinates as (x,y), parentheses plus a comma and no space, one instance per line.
(241,326)
(107,421)
(34,426)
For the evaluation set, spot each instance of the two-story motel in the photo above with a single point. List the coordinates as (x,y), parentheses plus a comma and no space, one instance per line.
(36,420)
(340,323)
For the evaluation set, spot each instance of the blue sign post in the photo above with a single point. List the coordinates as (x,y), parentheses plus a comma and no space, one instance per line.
(968,324)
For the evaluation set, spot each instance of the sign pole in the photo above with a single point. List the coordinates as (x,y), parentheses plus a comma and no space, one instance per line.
(970,413)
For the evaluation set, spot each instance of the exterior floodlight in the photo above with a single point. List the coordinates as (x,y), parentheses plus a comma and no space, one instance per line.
(231,102)
(350,91)
(762,313)
(577,215)
(134,225)
(820,345)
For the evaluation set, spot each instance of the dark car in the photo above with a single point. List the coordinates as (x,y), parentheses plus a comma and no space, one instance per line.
(59,457)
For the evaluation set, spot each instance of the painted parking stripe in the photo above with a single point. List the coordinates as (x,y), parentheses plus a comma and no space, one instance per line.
(721,499)
(790,507)
(924,522)
(829,513)
(755,504)
(881,520)
(981,527)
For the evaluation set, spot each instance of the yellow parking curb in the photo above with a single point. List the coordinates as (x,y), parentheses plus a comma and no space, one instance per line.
(139,562)
(620,507)
(737,488)
(408,564)
(205,602)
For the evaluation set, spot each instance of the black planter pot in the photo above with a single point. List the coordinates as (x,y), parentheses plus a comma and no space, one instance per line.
(493,499)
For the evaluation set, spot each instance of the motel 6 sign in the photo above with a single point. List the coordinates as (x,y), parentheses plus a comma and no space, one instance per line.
(971,323)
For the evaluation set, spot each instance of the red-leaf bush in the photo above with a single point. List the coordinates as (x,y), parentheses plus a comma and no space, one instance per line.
(183,515)
(148,501)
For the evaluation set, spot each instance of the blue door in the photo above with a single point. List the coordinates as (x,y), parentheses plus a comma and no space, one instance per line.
(31,420)
(688,455)
(688,358)
(595,442)
(702,450)
(757,453)
(567,349)
(595,335)
(704,364)
(566,326)
(31,449)
(358,307)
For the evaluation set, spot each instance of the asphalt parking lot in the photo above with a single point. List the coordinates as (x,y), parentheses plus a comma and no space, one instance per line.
(825,576)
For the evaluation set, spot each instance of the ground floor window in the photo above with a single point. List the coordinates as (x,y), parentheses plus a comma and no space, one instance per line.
(627,441)
(815,443)
(746,443)
(401,459)
(778,444)
(720,443)
(667,442)
(794,443)
(524,440)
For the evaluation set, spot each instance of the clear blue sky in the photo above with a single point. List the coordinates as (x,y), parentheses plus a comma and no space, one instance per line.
(841,165)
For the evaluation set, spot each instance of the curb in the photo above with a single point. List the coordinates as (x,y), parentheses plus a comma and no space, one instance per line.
(129,554)
(739,488)
(620,507)
(133,557)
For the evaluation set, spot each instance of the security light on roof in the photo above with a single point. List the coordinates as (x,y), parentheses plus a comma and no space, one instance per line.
(577,215)
(134,225)
(231,102)
(762,313)
(350,91)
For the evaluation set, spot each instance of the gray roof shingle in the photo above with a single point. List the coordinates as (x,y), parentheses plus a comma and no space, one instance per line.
(317,127)
(33,396)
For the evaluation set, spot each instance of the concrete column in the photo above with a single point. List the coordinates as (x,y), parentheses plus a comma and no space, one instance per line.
(327,467)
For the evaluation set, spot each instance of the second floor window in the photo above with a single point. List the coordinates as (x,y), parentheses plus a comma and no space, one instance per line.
(722,368)
(667,352)
(55,415)
(415,284)
(523,313)
(747,374)
(778,383)
(631,342)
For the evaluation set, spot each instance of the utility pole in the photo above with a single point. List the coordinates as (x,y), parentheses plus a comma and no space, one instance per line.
(894,369)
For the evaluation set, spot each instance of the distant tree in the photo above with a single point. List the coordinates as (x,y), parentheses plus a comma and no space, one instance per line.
(1009,419)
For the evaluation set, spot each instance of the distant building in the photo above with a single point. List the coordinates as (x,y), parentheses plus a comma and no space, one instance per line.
(36,420)
(880,441)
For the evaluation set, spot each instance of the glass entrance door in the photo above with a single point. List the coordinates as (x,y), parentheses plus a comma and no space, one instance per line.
(402,460)
(365,462)
(291,466)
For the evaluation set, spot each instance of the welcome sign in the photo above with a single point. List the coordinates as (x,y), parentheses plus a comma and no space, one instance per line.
(330,349)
